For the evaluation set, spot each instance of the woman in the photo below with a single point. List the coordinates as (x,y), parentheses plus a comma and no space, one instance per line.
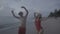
(38,23)
(22,28)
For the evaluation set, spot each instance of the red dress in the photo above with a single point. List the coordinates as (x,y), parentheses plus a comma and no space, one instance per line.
(38,24)
(22,30)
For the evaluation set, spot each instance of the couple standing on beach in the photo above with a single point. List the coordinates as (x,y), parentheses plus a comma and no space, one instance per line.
(22,28)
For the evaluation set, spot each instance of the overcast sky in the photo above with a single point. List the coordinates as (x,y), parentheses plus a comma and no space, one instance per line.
(44,6)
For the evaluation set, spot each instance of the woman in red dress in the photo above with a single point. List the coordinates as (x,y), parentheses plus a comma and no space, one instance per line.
(22,28)
(38,23)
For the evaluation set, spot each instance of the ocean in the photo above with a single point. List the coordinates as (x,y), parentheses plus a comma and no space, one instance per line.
(10,25)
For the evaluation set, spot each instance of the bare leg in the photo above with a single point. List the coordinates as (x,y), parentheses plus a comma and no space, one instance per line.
(42,31)
(37,32)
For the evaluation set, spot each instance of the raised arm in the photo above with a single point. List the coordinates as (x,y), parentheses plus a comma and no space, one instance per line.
(14,15)
(34,14)
(25,10)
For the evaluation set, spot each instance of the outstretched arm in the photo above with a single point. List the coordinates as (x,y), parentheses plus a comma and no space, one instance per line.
(14,14)
(25,10)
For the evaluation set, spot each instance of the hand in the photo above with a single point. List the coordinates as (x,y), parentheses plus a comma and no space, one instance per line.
(12,11)
(22,7)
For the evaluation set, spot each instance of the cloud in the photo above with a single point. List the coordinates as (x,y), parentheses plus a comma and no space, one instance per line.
(1,7)
(6,6)
(45,6)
